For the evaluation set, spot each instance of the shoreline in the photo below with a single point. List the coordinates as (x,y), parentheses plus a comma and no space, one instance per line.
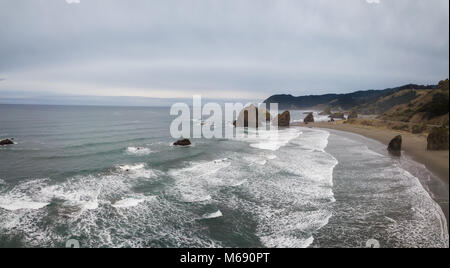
(414,147)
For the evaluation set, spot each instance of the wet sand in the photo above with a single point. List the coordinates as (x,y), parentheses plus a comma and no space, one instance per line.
(414,145)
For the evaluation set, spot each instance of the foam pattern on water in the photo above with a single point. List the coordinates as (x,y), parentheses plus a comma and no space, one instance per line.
(382,201)
(281,192)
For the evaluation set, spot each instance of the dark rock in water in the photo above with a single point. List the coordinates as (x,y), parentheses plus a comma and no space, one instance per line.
(337,116)
(183,142)
(284,119)
(252,117)
(268,116)
(352,115)
(6,142)
(395,146)
(438,139)
(309,118)
(248,117)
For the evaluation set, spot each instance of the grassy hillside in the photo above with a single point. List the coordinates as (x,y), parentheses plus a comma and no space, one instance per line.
(411,103)
(425,106)
(364,100)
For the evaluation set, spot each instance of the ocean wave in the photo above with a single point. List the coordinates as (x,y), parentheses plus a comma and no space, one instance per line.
(26,196)
(292,196)
(130,202)
(213,215)
(383,193)
(85,192)
(138,151)
(271,140)
(313,140)
(255,159)
(138,170)
(192,182)
(284,241)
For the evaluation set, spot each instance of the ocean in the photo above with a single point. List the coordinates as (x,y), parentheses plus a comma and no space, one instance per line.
(109,177)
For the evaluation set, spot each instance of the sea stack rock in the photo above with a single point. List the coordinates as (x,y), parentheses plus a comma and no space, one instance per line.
(309,118)
(395,146)
(248,117)
(6,142)
(438,139)
(252,117)
(284,119)
(352,115)
(183,142)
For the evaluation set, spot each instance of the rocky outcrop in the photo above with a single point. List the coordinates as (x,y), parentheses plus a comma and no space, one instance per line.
(267,114)
(6,142)
(337,116)
(353,115)
(253,117)
(395,146)
(284,119)
(327,111)
(309,118)
(183,142)
(438,139)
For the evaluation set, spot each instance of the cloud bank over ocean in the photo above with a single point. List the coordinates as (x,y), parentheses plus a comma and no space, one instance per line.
(220,49)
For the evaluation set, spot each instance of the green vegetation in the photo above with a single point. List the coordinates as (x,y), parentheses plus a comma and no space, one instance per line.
(438,106)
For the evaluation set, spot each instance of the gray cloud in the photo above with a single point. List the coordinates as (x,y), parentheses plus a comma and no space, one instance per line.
(221,49)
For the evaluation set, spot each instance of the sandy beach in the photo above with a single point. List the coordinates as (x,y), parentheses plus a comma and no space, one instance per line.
(414,145)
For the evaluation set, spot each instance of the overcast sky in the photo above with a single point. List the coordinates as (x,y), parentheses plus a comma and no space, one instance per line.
(219,48)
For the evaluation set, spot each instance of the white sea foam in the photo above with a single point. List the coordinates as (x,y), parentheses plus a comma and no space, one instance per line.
(294,192)
(192,182)
(254,159)
(24,196)
(290,199)
(393,195)
(137,171)
(274,140)
(139,151)
(313,140)
(239,183)
(202,169)
(284,241)
(85,192)
(213,215)
(271,140)
(134,167)
(19,204)
(129,202)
